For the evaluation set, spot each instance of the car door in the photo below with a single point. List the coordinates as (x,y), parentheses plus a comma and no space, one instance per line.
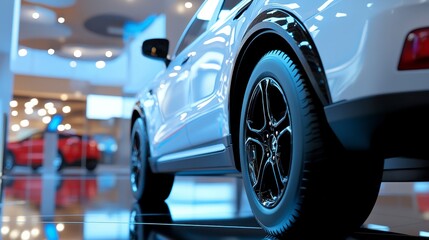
(168,100)
(31,150)
(209,72)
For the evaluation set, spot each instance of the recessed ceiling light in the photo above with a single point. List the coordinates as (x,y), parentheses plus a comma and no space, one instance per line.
(188,5)
(14,113)
(46,119)
(77,53)
(35,15)
(41,112)
(52,111)
(66,109)
(51,51)
(24,123)
(28,111)
(15,127)
(49,105)
(109,54)
(73,64)
(34,101)
(61,20)
(64,97)
(13,103)
(22,52)
(100,64)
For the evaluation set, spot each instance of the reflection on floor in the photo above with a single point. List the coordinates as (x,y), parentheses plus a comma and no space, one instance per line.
(79,205)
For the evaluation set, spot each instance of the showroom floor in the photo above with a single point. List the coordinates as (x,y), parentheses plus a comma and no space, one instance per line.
(78,205)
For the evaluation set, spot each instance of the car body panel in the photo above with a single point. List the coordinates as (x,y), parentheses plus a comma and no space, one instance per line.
(30,151)
(360,29)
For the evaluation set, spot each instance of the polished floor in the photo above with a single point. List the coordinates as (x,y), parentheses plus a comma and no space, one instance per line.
(79,205)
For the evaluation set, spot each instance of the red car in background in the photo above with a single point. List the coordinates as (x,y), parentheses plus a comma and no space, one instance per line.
(73,150)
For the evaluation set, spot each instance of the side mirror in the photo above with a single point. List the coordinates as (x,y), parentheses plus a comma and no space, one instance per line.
(156,48)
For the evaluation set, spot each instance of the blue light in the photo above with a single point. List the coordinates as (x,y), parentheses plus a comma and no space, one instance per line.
(54,123)
(51,231)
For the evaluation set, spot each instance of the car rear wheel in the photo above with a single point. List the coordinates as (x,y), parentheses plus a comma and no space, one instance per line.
(146,185)
(91,164)
(294,171)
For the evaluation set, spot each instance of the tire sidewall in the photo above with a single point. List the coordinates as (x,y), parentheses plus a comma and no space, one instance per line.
(139,130)
(276,67)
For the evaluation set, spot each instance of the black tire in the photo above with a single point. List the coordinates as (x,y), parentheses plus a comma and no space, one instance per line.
(9,161)
(35,167)
(295,173)
(59,162)
(91,164)
(146,185)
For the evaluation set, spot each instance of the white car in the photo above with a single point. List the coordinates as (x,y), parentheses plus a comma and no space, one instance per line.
(314,103)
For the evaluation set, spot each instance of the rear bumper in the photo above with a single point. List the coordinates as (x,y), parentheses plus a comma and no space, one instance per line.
(390,124)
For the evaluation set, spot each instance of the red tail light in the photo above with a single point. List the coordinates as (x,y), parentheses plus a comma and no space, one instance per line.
(415,54)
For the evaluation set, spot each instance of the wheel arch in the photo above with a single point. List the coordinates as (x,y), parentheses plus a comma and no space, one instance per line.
(137,113)
(284,32)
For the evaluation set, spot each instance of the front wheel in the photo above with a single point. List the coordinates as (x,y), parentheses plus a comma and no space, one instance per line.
(292,164)
(146,185)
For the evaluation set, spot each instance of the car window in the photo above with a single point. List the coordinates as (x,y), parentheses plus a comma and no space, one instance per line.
(199,23)
(226,8)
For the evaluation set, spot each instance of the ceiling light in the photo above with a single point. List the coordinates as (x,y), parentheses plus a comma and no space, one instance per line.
(46,119)
(73,64)
(64,97)
(14,113)
(49,105)
(13,103)
(100,64)
(60,227)
(188,5)
(35,232)
(109,54)
(77,53)
(67,126)
(22,52)
(34,101)
(15,127)
(25,235)
(52,111)
(28,111)
(35,15)
(51,51)
(66,109)
(24,123)
(41,112)
(60,128)
(5,230)
(61,20)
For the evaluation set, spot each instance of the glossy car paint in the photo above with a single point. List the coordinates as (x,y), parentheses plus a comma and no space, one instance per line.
(29,152)
(187,108)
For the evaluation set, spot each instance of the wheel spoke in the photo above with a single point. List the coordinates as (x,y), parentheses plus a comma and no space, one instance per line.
(279,175)
(255,158)
(265,84)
